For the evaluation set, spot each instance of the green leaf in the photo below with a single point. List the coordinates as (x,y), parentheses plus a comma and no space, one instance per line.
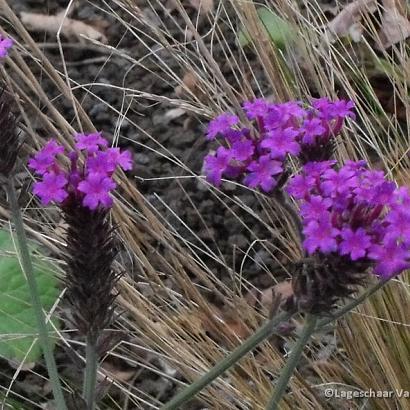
(278,29)
(17,320)
(10,403)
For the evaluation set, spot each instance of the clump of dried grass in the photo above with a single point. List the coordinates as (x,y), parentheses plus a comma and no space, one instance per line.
(372,343)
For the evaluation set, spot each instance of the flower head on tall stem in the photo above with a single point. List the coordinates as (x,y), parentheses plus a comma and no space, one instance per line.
(83,191)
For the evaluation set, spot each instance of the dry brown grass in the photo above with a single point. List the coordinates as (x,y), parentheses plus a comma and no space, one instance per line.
(372,343)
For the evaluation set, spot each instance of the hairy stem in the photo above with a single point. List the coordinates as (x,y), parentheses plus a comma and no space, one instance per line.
(259,336)
(35,297)
(90,372)
(292,362)
(350,306)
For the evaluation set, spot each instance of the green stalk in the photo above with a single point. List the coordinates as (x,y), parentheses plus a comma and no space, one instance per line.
(35,297)
(90,373)
(249,344)
(292,362)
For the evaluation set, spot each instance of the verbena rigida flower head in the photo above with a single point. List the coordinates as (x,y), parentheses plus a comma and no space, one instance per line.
(354,221)
(83,191)
(89,183)
(256,155)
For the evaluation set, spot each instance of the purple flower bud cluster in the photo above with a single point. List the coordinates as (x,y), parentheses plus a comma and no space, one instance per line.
(354,212)
(89,183)
(257,155)
(5,44)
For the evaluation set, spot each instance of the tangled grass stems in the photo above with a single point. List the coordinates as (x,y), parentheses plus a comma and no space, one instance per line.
(312,324)
(229,361)
(141,226)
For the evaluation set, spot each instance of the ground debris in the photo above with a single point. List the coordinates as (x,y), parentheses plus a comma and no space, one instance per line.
(70,28)
(394,26)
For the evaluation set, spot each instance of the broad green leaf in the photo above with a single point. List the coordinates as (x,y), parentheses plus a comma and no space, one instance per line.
(17,320)
(279,30)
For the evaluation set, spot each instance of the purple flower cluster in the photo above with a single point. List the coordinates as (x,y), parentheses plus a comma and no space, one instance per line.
(5,44)
(354,212)
(90,183)
(257,155)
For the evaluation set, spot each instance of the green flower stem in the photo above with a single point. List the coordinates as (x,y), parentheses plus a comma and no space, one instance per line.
(311,325)
(90,373)
(292,362)
(350,306)
(36,301)
(259,336)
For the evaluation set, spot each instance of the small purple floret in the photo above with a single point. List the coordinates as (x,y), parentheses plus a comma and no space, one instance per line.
(221,124)
(262,173)
(97,188)
(5,45)
(52,188)
(90,142)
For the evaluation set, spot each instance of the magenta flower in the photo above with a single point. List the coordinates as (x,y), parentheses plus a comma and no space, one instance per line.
(398,229)
(5,45)
(292,109)
(391,259)
(262,173)
(281,142)
(45,158)
(100,164)
(256,108)
(221,124)
(343,109)
(311,129)
(242,150)
(51,188)
(215,165)
(90,142)
(123,159)
(320,235)
(105,162)
(354,243)
(233,135)
(96,188)
(338,182)
(331,110)
(315,207)
(383,193)
(298,187)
